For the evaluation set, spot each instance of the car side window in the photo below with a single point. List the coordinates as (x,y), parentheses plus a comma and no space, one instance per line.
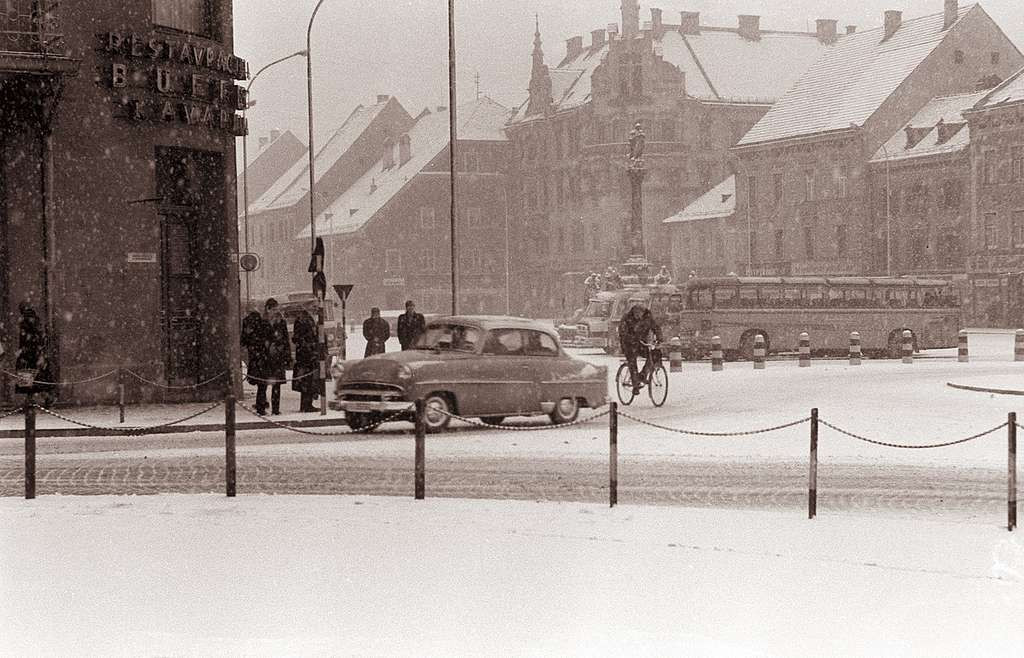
(504,342)
(540,344)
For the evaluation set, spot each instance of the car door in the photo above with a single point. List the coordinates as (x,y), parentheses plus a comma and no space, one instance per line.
(505,382)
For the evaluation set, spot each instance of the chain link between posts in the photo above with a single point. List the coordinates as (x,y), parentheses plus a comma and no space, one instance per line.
(720,434)
(12,413)
(521,428)
(387,419)
(97,378)
(906,445)
(127,430)
(286,380)
(176,387)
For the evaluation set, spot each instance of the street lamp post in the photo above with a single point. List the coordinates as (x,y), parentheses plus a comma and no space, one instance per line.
(245,160)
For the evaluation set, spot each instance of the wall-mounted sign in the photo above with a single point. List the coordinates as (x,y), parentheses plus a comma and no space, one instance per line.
(395,281)
(175,81)
(141,257)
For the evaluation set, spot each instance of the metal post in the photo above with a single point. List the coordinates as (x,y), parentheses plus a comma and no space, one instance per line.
(30,447)
(452,118)
(855,353)
(312,195)
(1018,345)
(613,454)
(760,352)
(1011,468)
(812,485)
(230,464)
(962,353)
(421,451)
(805,350)
(716,354)
(908,346)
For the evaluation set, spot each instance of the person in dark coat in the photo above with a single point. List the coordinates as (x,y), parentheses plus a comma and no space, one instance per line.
(410,325)
(266,339)
(279,355)
(32,352)
(305,378)
(376,332)
(635,328)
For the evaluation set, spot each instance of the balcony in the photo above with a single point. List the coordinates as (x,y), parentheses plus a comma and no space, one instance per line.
(30,38)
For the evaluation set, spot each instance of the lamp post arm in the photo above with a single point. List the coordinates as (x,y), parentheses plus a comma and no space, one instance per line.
(299,53)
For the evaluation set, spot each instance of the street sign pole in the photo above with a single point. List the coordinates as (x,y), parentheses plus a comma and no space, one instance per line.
(343,291)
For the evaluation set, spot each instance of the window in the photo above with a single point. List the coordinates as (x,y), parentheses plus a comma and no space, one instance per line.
(705,132)
(540,344)
(777,187)
(950,249)
(952,194)
(1017,163)
(719,245)
(842,176)
(958,56)
(809,242)
(994,57)
(194,16)
(752,245)
(1018,228)
(989,168)
(752,191)
(990,231)
(428,260)
(704,173)
(780,244)
(638,76)
(504,342)
(841,240)
(808,186)
(917,246)
(392,259)
(474,217)
(427,218)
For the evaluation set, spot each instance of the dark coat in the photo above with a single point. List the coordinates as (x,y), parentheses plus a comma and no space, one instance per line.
(632,331)
(268,347)
(279,352)
(32,346)
(376,332)
(409,328)
(307,355)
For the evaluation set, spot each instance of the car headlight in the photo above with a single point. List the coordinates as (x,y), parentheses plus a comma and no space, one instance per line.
(404,373)
(337,369)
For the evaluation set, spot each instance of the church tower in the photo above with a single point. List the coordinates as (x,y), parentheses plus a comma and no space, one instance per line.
(540,79)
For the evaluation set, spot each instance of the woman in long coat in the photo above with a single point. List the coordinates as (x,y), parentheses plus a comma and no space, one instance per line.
(307,361)
(32,346)
(279,357)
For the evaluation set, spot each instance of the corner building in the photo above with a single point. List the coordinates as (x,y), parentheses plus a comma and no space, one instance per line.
(117,193)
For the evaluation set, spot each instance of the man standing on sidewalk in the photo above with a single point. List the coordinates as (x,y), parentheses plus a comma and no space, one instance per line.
(410,325)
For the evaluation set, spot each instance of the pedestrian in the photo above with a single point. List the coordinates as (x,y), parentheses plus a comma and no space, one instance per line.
(279,354)
(32,354)
(663,277)
(410,325)
(266,340)
(376,332)
(307,361)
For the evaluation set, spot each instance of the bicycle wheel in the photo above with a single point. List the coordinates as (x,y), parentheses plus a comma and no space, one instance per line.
(658,386)
(624,385)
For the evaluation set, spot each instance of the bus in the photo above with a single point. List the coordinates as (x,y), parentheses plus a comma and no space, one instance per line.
(737,308)
(590,328)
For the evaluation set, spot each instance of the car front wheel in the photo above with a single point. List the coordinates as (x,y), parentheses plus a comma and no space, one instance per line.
(566,410)
(435,412)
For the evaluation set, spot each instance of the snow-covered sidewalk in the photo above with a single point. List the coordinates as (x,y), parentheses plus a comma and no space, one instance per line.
(180,575)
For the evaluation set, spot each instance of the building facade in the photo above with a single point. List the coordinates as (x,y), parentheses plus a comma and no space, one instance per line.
(695,89)
(117,211)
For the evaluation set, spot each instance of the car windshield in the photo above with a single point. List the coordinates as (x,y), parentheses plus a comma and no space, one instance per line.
(597,309)
(455,337)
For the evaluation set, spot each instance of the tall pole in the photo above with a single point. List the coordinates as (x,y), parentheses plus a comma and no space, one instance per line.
(888,215)
(245,160)
(451,146)
(312,216)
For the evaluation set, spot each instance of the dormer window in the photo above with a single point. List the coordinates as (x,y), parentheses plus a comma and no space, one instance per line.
(958,57)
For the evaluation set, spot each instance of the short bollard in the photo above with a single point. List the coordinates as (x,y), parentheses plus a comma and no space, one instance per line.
(120,393)
(1018,345)
(812,481)
(30,447)
(1011,467)
(908,346)
(716,354)
(759,352)
(962,355)
(421,453)
(675,355)
(854,348)
(230,463)
(805,350)
(613,454)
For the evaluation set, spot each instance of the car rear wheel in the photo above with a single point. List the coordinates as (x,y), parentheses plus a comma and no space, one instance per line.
(361,422)
(492,420)
(566,410)
(436,408)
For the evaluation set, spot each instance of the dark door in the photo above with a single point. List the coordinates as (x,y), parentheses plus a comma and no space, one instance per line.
(180,313)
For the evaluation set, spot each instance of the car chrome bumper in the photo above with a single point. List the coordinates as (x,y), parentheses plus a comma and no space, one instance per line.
(370,406)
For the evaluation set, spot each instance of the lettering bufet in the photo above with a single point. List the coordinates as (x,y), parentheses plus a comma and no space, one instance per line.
(182,81)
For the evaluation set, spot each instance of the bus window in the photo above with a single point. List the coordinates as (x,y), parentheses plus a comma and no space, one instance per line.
(771,297)
(659,302)
(792,297)
(748,297)
(726,297)
(675,304)
(856,298)
(700,299)
(816,297)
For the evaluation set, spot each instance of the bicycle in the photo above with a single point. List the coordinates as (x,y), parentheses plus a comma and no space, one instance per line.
(655,381)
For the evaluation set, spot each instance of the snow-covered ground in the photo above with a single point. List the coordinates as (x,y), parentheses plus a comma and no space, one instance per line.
(260,575)
(326,576)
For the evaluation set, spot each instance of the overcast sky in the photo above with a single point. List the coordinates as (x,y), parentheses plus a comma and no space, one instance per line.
(363,48)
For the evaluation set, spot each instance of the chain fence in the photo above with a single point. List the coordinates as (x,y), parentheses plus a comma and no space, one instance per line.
(887,444)
(298,430)
(286,380)
(128,430)
(677,430)
(97,378)
(12,412)
(178,387)
(524,428)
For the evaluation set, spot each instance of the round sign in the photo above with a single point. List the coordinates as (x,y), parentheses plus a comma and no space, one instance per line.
(249,262)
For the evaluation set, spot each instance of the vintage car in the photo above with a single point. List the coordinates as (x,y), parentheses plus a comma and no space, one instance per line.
(485,367)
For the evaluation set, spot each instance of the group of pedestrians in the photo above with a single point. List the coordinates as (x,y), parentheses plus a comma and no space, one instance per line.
(32,359)
(377,331)
(266,341)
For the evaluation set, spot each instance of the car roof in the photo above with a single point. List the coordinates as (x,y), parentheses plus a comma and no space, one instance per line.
(494,322)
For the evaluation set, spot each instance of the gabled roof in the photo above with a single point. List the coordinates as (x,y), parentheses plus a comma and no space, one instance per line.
(293,186)
(938,128)
(269,165)
(1010,90)
(850,82)
(719,201)
(480,120)
(718,64)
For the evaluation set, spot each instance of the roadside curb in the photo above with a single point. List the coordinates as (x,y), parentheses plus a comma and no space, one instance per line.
(70,432)
(981,389)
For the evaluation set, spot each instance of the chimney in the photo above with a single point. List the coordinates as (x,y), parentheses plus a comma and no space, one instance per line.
(689,22)
(893,19)
(656,20)
(750,27)
(382,98)
(851,29)
(573,47)
(275,134)
(952,9)
(826,30)
(442,108)
(915,135)
(597,39)
(613,30)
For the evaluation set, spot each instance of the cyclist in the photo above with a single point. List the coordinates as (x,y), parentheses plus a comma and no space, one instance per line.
(635,329)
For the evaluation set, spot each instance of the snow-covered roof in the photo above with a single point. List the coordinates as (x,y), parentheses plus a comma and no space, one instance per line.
(718,64)
(480,120)
(1010,91)
(719,201)
(850,81)
(293,186)
(938,128)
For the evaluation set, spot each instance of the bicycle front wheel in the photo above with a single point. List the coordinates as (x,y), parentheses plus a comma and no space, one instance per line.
(658,388)
(624,385)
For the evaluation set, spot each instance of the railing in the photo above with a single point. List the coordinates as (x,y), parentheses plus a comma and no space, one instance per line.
(30,26)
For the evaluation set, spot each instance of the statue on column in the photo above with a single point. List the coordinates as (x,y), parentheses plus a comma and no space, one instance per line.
(636,144)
